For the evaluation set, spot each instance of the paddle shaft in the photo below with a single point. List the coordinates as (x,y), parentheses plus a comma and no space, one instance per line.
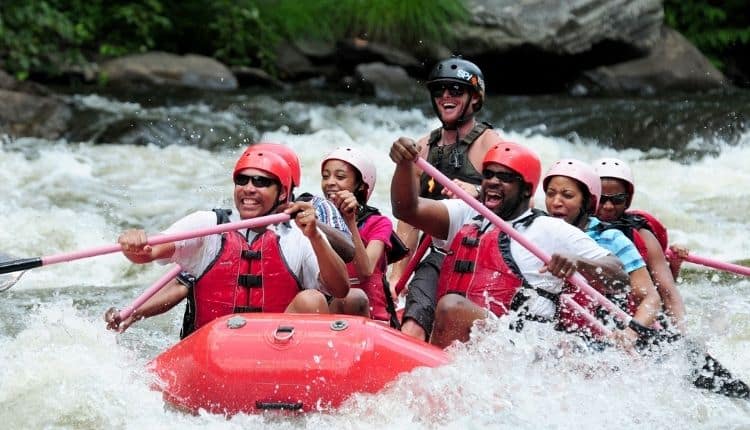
(158,285)
(715,264)
(30,263)
(577,279)
(415,259)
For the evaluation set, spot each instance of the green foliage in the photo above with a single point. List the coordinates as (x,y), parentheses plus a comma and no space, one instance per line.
(31,35)
(713,26)
(399,23)
(46,35)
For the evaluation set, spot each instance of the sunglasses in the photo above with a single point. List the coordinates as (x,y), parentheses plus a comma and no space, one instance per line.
(506,177)
(616,199)
(455,90)
(258,181)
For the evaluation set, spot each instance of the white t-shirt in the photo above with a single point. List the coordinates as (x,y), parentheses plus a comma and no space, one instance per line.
(194,255)
(552,235)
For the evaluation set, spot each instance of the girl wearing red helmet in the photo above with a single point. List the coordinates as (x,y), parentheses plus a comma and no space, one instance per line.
(348,180)
(228,270)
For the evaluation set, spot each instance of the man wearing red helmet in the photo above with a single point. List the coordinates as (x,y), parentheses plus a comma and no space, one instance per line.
(457,93)
(296,262)
(485,272)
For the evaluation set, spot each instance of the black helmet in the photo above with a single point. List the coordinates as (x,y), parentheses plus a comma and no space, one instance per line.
(459,71)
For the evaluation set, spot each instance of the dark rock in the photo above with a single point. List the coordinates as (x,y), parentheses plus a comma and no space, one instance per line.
(563,28)
(165,69)
(27,115)
(247,76)
(388,82)
(673,64)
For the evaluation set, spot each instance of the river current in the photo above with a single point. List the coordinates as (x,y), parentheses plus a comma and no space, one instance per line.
(143,161)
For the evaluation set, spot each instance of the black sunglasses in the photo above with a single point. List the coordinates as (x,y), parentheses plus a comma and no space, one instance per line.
(616,199)
(258,181)
(507,177)
(455,90)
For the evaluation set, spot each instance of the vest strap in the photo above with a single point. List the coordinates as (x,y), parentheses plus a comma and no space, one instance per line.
(249,254)
(463,266)
(250,281)
(245,309)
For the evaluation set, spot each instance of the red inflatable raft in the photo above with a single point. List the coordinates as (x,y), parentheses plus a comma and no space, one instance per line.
(255,362)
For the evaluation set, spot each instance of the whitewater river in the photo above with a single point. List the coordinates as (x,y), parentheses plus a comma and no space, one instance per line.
(138,162)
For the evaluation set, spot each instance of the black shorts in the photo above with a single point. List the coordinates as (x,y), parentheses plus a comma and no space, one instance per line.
(421,298)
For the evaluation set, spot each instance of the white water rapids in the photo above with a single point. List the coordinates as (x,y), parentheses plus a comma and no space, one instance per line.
(62,369)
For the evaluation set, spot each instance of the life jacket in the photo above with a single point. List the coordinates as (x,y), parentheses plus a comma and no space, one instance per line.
(242,278)
(634,220)
(376,286)
(480,267)
(452,160)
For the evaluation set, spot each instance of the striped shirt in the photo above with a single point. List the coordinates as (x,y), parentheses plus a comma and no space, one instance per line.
(617,243)
(327,213)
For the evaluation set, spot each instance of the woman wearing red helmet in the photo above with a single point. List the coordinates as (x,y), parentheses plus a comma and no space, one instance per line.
(485,272)
(228,269)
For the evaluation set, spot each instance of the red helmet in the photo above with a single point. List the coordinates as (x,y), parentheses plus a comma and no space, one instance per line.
(269,162)
(518,158)
(581,172)
(287,154)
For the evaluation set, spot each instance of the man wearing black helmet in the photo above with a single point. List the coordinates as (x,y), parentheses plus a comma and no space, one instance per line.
(457,92)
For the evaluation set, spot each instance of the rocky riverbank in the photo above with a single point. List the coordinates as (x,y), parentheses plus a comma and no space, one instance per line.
(581,47)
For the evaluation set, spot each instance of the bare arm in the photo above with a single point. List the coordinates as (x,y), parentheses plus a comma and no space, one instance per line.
(605,274)
(645,296)
(663,280)
(333,273)
(424,214)
(136,248)
(165,299)
(339,242)
(365,257)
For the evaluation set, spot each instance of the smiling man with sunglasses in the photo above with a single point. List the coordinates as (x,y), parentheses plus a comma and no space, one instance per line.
(485,273)
(282,268)
(457,92)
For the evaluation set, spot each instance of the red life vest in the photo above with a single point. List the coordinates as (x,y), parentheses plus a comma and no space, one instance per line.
(376,286)
(242,278)
(480,267)
(373,287)
(652,224)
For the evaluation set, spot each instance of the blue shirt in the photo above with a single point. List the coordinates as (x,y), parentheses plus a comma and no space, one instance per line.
(617,243)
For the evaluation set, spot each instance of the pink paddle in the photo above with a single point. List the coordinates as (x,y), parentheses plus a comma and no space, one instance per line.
(715,264)
(158,285)
(423,247)
(29,263)
(576,279)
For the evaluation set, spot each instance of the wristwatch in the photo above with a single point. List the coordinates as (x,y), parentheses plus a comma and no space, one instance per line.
(479,189)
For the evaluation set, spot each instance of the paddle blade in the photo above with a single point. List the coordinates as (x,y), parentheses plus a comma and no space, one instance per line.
(8,280)
(715,377)
(20,264)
